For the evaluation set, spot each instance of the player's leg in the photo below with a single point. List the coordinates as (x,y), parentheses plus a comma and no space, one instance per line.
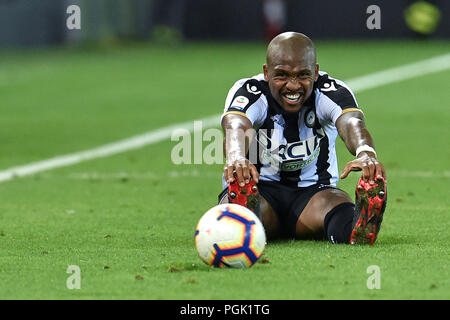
(268,215)
(269,219)
(324,204)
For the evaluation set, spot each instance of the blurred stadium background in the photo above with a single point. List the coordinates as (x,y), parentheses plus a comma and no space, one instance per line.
(26,23)
(140,65)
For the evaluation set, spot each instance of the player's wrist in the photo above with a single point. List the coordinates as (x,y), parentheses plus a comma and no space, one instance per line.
(232,158)
(365,149)
(366,154)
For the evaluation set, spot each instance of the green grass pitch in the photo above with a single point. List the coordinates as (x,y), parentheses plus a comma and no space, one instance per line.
(128,220)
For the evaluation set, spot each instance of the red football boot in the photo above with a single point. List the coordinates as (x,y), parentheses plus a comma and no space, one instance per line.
(247,196)
(370,205)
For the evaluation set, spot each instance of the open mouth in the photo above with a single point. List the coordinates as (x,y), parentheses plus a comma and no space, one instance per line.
(292,98)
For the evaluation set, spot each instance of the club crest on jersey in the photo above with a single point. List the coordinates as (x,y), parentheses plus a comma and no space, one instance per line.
(328,87)
(253,89)
(239,102)
(310,118)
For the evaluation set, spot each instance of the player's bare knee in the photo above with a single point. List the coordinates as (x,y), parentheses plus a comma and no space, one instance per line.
(269,220)
(327,199)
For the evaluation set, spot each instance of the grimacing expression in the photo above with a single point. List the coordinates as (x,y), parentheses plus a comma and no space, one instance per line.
(291,80)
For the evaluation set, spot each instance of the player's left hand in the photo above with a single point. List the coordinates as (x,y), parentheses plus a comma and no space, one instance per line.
(372,169)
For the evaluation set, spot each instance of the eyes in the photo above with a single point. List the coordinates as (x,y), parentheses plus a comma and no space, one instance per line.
(283,75)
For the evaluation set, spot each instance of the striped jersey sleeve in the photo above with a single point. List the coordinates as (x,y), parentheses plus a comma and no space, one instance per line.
(333,98)
(246,98)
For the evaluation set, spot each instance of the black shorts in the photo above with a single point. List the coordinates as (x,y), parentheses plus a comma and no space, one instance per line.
(287,202)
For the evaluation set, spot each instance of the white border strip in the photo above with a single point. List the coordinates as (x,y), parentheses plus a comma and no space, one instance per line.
(373,80)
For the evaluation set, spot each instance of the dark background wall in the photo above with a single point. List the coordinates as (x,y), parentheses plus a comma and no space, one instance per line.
(347,19)
(36,23)
(227,20)
(31,23)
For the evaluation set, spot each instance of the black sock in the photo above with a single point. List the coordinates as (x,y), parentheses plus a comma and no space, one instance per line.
(338,223)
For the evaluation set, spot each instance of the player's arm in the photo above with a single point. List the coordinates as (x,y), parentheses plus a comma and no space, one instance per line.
(353,131)
(238,132)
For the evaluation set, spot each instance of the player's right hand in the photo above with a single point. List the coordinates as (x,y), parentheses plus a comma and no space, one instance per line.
(243,169)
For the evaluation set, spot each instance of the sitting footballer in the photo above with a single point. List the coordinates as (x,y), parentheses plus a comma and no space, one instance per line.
(280,131)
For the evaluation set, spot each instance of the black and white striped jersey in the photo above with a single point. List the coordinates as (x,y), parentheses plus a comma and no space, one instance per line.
(296,149)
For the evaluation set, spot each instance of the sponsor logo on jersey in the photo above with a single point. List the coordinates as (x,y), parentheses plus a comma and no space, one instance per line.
(300,164)
(239,102)
(291,156)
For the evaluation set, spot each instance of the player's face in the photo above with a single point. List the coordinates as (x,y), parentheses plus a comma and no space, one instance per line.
(291,82)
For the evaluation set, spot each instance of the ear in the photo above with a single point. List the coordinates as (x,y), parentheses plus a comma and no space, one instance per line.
(316,76)
(266,72)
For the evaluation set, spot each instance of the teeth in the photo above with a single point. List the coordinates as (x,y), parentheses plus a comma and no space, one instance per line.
(292,96)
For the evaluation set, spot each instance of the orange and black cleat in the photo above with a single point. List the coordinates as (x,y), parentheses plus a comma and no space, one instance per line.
(370,205)
(247,196)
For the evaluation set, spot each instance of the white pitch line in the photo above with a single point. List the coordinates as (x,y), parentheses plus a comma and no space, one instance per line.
(396,74)
(132,143)
(370,81)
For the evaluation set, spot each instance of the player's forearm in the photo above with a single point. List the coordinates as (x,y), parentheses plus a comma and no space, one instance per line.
(354,133)
(238,133)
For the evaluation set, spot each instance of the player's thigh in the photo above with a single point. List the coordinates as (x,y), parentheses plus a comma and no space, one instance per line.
(310,222)
(269,217)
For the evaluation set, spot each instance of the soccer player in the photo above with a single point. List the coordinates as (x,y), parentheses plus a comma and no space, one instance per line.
(280,130)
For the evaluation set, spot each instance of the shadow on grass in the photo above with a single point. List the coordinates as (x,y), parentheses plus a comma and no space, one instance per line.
(202,267)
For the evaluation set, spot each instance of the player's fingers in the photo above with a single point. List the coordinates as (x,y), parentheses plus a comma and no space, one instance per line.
(371,168)
(346,171)
(254,173)
(239,175)
(365,171)
(351,166)
(246,174)
(383,172)
(379,170)
(229,173)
